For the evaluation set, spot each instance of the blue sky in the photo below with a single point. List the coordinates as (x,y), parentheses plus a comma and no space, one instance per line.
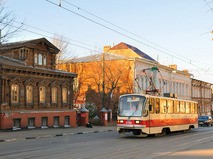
(172,31)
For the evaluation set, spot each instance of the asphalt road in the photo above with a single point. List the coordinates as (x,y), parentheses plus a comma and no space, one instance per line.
(195,144)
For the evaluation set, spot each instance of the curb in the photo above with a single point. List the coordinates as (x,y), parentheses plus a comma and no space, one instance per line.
(55,135)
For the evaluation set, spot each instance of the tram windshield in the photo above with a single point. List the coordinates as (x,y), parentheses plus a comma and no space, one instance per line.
(131,105)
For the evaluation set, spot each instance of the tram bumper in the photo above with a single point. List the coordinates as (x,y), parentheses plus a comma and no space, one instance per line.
(135,129)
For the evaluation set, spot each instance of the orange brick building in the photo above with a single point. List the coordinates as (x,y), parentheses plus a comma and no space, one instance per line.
(32,92)
(114,69)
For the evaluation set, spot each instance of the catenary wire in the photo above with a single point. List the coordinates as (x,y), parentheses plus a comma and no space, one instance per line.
(182,59)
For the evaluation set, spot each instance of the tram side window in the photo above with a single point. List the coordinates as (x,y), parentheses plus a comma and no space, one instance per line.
(157,105)
(164,107)
(182,107)
(152,104)
(192,108)
(188,106)
(176,107)
(195,108)
(145,108)
(170,104)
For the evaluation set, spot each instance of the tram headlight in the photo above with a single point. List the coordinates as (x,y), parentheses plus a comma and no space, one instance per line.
(120,121)
(137,121)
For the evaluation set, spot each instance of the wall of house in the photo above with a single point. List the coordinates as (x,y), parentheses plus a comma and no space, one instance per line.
(27,75)
(7,118)
(117,72)
(202,93)
(27,54)
(167,82)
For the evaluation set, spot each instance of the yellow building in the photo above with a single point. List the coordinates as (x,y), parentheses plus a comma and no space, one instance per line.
(111,72)
(120,69)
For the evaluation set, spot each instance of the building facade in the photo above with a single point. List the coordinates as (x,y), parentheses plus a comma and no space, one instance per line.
(202,93)
(32,92)
(167,79)
(120,69)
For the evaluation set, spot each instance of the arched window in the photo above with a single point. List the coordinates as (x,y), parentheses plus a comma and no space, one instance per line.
(40,59)
(14,93)
(42,94)
(54,95)
(64,95)
(29,94)
(36,59)
(44,60)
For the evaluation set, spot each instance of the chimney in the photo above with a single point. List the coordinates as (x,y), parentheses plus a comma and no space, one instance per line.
(107,48)
(174,66)
(186,71)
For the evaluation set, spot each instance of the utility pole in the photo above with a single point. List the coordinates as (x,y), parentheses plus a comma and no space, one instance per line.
(103,81)
(0,36)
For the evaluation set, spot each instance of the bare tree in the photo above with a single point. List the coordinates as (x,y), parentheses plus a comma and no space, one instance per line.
(7,27)
(62,44)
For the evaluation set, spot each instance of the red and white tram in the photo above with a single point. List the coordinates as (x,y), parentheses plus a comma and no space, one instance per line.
(146,114)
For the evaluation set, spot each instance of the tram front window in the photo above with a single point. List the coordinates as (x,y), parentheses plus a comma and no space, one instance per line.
(131,106)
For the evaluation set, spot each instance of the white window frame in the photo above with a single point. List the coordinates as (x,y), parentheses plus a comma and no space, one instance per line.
(40,59)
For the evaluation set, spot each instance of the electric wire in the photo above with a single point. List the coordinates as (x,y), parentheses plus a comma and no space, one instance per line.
(120,33)
(98,17)
(83,47)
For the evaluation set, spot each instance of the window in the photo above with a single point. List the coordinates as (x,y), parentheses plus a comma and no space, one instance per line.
(152,103)
(170,106)
(163,105)
(54,95)
(176,107)
(188,106)
(31,123)
(195,106)
(29,94)
(23,53)
(182,107)
(44,122)
(36,59)
(16,123)
(66,121)
(44,60)
(64,95)
(14,93)
(42,94)
(157,106)
(40,59)
(56,121)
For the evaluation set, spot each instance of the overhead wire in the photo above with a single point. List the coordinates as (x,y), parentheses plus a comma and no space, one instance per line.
(120,33)
(53,33)
(83,47)
(98,17)
(104,20)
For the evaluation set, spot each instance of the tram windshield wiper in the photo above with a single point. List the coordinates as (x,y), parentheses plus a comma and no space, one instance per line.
(132,114)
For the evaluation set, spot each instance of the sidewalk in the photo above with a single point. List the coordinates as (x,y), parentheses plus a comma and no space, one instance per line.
(10,135)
